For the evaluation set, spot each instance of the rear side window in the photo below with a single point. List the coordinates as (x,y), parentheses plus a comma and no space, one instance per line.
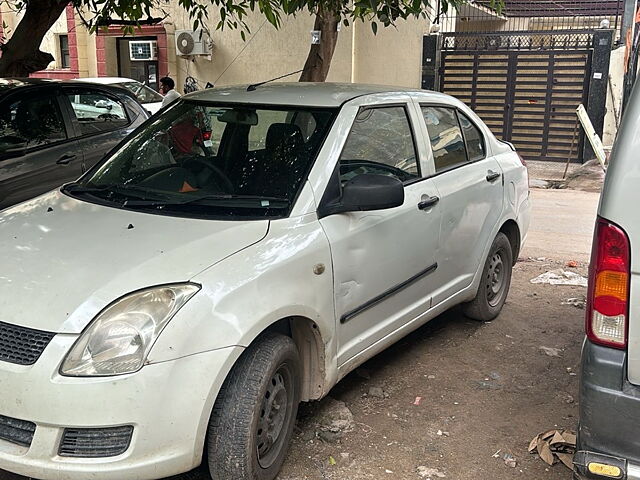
(97,112)
(447,142)
(473,139)
(380,142)
(30,122)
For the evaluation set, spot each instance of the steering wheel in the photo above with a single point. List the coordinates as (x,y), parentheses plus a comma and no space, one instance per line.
(223,182)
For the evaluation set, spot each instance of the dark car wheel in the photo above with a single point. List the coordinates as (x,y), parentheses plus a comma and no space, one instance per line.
(253,417)
(495,282)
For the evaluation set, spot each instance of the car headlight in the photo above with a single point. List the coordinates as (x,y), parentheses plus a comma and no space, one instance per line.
(119,339)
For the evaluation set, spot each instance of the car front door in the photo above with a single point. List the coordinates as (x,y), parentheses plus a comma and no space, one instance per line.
(470,185)
(101,121)
(37,149)
(383,260)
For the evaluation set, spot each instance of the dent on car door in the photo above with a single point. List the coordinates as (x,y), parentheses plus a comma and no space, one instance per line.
(37,151)
(101,120)
(470,185)
(382,259)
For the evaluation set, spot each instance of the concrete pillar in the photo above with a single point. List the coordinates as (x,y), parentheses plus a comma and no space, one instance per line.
(598,84)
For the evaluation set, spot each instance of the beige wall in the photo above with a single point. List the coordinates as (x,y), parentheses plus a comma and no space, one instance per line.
(391,57)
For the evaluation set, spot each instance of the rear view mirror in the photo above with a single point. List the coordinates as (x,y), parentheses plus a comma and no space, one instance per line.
(241,117)
(368,192)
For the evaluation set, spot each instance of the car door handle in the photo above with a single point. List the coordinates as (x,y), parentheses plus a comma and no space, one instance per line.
(491,176)
(429,202)
(65,159)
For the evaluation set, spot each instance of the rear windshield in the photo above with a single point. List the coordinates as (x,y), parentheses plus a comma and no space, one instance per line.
(143,93)
(214,161)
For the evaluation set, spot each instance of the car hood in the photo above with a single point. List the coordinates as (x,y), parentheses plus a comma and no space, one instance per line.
(64,260)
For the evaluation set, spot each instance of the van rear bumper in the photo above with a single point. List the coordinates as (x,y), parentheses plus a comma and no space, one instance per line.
(609,414)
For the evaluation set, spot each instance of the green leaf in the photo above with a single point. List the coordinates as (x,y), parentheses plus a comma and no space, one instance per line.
(374,27)
(244,37)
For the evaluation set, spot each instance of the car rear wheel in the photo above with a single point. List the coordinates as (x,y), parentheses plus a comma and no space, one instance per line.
(253,417)
(495,282)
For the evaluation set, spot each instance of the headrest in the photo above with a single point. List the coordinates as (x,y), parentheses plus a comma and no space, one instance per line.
(283,135)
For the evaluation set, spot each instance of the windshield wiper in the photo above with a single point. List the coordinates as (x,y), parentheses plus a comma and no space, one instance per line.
(241,201)
(119,189)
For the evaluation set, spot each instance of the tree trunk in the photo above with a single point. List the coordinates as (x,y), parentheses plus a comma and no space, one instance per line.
(21,55)
(316,68)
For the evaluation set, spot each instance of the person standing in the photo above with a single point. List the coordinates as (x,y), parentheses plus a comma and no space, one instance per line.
(167,88)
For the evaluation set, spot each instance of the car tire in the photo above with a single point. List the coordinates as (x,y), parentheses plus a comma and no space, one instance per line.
(495,282)
(252,421)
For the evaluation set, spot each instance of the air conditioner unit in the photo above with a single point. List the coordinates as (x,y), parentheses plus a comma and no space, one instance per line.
(143,50)
(192,42)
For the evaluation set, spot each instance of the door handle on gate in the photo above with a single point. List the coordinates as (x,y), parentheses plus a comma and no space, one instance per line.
(491,176)
(429,202)
(65,159)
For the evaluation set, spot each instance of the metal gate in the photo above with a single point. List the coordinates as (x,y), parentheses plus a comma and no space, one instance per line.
(526,87)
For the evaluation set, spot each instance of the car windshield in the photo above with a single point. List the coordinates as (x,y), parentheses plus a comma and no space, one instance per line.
(212,161)
(143,93)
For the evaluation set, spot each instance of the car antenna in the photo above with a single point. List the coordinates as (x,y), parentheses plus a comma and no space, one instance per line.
(253,86)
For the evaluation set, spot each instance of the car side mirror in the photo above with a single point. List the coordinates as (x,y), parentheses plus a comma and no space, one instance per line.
(368,192)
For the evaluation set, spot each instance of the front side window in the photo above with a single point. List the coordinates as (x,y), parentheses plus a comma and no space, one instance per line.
(446,138)
(30,122)
(380,142)
(215,161)
(97,112)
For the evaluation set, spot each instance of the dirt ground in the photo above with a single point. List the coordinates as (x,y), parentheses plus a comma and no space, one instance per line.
(487,388)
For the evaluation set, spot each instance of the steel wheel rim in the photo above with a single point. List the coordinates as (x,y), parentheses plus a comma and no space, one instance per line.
(495,279)
(274,414)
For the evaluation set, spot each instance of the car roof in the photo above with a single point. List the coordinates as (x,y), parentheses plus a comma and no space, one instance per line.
(108,80)
(311,94)
(12,84)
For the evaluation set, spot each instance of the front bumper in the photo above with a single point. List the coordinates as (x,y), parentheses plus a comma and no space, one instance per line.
(168,404)
(609,415)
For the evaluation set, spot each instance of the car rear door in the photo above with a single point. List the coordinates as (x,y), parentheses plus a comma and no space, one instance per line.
(383,260)
(37,150)
(101,120)
(470,185)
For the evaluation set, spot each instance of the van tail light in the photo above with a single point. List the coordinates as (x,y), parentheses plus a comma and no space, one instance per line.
(608,294)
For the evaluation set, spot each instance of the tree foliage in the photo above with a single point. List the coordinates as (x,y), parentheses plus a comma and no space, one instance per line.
(21,54)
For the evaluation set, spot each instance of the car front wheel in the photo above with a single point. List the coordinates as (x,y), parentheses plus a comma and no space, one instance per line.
(253,417)
(495,282)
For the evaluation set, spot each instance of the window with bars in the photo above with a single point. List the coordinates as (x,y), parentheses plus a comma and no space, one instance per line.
(65,59)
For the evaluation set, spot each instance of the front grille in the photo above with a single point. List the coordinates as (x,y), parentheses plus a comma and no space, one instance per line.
(20,345)
(95,442)
(17,431)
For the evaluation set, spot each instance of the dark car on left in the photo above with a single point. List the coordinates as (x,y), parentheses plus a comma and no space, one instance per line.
(53,131)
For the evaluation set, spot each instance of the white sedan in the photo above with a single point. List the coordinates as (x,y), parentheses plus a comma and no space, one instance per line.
(241,253)
(148,97)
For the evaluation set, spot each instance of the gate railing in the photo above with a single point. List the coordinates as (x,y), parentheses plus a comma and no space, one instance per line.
(557,40)
(532,16)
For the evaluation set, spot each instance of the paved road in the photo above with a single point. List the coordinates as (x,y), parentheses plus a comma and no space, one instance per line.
(561,224)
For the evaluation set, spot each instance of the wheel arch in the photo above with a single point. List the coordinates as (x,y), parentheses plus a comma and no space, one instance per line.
(308,339)
(512,232)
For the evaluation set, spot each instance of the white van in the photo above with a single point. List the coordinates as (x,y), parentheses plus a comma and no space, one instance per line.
(608,434)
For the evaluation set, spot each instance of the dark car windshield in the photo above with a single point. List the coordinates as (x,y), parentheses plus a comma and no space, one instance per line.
(143,93)
(213,161)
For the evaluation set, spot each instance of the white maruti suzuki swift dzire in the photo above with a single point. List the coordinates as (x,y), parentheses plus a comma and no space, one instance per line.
(237,254)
